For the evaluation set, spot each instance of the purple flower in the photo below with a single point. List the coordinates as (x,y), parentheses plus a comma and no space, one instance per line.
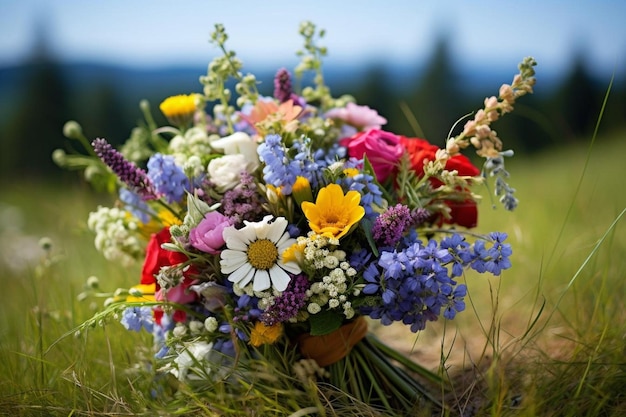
(289,303)
(243,202)
(207,235)
(390,226)
(130,174)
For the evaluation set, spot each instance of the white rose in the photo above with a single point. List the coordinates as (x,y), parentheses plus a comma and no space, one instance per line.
(225,171)
(239,143)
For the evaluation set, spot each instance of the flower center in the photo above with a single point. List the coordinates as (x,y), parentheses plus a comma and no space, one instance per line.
(262,254)
(334,218)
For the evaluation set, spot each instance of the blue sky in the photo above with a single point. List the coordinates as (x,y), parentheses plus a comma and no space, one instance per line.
(153,33)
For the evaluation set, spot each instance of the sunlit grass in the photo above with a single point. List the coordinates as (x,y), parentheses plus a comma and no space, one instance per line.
(533,342)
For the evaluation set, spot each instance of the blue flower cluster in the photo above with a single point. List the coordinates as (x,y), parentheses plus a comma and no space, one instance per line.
(366,185)
(136,318)
(168,179)
(416,283)
(281,170)
(278,170)
(136,205)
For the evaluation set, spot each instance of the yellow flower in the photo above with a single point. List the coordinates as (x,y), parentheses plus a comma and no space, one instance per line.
(179,109)
(350,172)
(333,213)
(295,252)
(164,218)
(301,190)
(141,293)
(262,334)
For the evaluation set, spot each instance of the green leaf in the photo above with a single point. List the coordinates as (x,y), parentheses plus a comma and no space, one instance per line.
(196,210)
(325,322)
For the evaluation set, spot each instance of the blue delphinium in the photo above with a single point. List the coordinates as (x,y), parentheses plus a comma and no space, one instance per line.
(136,318)
(493,259)
(278,170)
(416,283)
(365,184)
(168,178)
(136,205)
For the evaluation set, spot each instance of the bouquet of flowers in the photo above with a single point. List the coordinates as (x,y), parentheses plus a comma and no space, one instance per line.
(272,229)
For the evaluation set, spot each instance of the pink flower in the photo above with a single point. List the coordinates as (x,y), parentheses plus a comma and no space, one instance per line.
(361,117)
(207,235)
(383,150)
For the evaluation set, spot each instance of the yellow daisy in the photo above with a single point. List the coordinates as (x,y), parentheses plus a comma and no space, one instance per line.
(333,213)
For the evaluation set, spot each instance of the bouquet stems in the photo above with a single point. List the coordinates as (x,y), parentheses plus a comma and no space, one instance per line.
(378,375)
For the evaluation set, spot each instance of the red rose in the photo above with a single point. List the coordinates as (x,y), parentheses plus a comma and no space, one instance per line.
(382,148)
(463,213)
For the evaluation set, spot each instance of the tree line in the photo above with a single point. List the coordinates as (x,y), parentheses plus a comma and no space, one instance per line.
(428,106)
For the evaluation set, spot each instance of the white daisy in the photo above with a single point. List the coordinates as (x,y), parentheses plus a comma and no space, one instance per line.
(255,254)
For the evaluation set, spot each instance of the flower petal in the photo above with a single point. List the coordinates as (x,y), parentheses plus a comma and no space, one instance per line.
(277,229)
(232,260)
(241,274)
(261,280)
(280,279)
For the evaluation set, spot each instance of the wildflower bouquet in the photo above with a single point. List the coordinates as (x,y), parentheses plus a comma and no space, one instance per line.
(271,229)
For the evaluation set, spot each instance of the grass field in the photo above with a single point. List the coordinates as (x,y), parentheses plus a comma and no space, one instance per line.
(546,339)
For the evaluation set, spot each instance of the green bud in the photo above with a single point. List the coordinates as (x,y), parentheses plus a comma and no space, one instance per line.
(72,130)
(93,282)
(59,157)
(45,243)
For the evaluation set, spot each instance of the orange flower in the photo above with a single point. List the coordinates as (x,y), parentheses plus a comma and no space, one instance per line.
(262,334)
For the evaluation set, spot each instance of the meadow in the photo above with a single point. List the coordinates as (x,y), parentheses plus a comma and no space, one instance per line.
(546,339)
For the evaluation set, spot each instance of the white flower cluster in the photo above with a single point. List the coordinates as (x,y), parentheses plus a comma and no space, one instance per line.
(333,288)
(116,235)
(195,141)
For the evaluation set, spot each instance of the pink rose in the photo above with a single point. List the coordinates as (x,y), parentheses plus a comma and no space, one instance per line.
(383,150)
(207,235)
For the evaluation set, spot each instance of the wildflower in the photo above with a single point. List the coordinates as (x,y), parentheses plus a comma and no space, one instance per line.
(141,293)
(116,235)
(493,259)
(136,318)
(302,190)
(288,304)
(169,180)
(207,236)
(254,254)
(360,117)
(283,90)
(333,213)
(239,143)
(130,174)
(225,172)
(277,171)
(243,202)
(390,226)
(265,335)
(179,109)
(135,205)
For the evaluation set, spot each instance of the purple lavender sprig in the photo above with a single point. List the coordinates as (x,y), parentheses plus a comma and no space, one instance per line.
(130,174)
(282,86)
